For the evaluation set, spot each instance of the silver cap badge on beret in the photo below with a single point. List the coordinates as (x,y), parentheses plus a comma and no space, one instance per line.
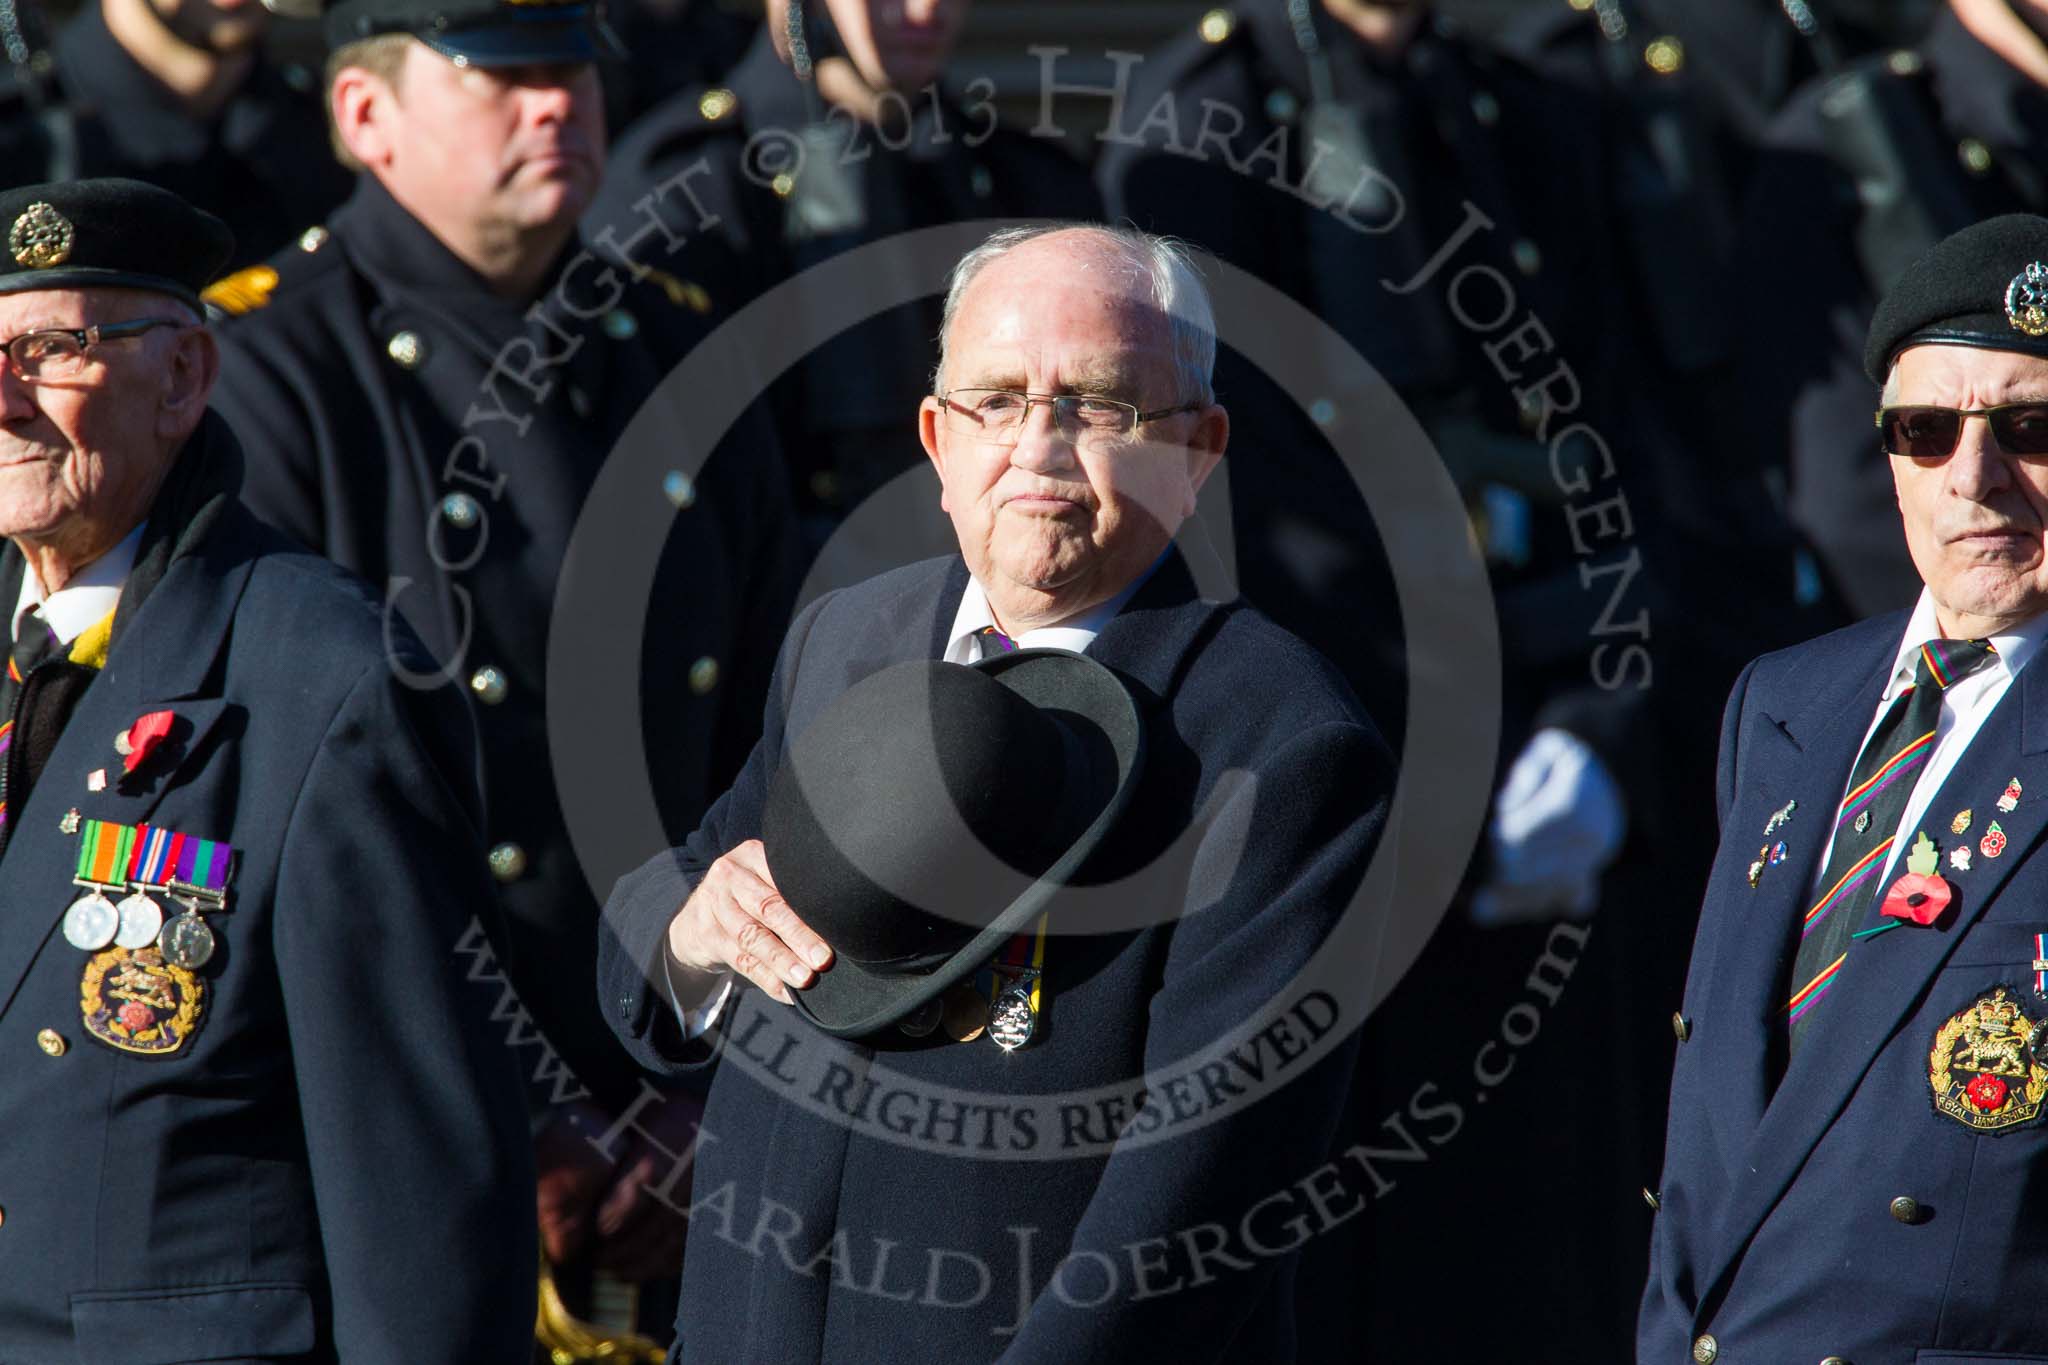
(2026,300)
(40,238)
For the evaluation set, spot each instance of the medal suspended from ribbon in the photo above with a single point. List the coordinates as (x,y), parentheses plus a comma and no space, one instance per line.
(93,920)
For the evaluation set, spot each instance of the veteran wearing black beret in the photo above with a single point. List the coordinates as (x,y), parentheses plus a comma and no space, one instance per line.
(428,385)
(1030,827)
(1861,1095)
(254,1108)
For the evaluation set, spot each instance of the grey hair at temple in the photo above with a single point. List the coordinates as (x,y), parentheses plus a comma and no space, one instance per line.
(1165,263)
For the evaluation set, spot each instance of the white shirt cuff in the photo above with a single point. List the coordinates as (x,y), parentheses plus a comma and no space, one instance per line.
(698,1005)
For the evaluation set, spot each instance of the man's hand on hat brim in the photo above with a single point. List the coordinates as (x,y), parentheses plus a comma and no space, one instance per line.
(737,921)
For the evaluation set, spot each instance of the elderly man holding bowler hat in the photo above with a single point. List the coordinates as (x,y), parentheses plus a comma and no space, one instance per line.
(1857,1130)
(1031,831)
(253,1109)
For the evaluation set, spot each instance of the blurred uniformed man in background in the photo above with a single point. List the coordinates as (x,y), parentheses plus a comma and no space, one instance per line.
(178,93)
(1869,166)
(1452,215)
(668,46)
(428,386)
(891,146)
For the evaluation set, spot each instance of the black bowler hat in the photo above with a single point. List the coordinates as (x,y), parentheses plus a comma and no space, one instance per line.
(933,810)
(474,32)
(109,233)
(1985,286)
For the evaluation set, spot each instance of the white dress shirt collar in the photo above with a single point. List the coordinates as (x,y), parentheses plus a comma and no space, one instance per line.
(2014,648)
(83,602)
(1076,635)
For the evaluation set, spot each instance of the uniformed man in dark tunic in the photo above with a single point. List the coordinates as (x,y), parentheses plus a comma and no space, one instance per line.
(428,385)
(180,93)
(1866,168)
(894,147)
(1429,197)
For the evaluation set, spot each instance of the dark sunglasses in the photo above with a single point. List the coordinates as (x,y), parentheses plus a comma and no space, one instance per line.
(1931,433)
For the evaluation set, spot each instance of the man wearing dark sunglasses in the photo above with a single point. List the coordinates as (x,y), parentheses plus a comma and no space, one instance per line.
(254,1108)
(1861,1093)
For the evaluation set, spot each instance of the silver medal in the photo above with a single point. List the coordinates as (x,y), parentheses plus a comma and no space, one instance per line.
(91,922)
(141,918)
(186,942)
(1011,1018)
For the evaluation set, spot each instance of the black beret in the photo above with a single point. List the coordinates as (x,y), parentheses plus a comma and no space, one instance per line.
(1985,286)
(480,32)
(83,234)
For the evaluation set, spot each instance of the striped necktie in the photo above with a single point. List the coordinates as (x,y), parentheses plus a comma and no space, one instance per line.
(992,641)
(1868,821)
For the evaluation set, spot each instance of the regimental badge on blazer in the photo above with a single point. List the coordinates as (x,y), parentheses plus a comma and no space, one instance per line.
(1983,1068)
(133,1000)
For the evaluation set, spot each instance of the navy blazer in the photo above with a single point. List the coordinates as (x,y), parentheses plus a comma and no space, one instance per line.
(786,1186)
(1782,1234)
(335,1165)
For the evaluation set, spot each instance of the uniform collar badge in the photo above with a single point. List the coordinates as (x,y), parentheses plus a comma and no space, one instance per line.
(40,238)
(2026,300)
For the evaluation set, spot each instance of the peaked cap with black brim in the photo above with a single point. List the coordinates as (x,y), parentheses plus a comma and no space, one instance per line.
(935,810)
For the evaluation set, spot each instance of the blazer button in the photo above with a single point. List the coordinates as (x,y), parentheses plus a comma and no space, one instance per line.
(1906,1209)
(1706,1350)
(1681,1026)
(52,1042)
(508,862)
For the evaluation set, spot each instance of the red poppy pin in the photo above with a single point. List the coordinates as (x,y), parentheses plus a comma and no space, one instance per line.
(138,741)
(1921,895)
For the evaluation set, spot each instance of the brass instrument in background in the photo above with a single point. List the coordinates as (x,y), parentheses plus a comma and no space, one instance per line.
(569,1340)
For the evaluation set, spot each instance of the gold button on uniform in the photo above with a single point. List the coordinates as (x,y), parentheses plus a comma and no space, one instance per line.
(1706,1350)
(1974,155)
(508,862)
(52,1042)
(1681,1026)
(489,684)
(1217,25)
(716,104)
(407,349)
(703,675)
(1906,1209)
(1665,56)
(312,239)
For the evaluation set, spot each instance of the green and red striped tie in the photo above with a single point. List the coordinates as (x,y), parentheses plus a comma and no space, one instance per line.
(1868,821)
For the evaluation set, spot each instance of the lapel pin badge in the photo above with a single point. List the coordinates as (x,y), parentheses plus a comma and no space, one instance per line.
(140,740)
(1961,824)
(1959,857)
(2010,799)
(1993,842)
